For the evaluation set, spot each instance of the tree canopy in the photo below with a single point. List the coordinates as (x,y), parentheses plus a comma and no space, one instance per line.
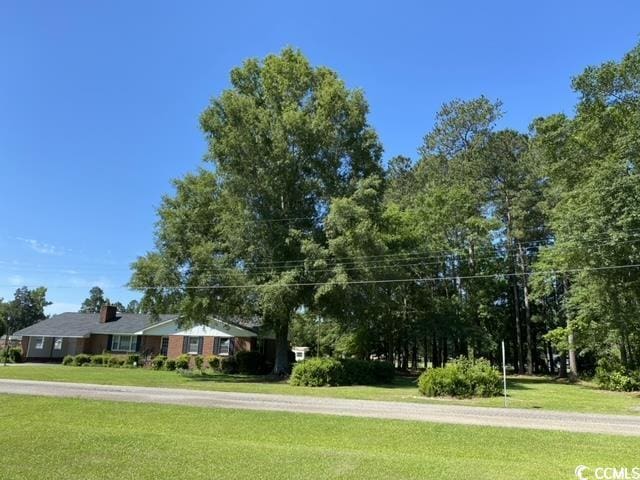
(487,235)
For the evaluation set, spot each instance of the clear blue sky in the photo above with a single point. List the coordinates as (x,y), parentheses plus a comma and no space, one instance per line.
(99,101)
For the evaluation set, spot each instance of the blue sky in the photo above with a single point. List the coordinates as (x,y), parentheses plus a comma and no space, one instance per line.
(99,101)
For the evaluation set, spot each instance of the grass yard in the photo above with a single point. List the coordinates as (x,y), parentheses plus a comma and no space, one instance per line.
(55,438)
(524,392)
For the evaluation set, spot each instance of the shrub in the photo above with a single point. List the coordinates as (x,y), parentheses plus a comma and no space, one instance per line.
(158,362)
(170,364)
(81,359)
(97,360)
(228,365)
(249,363)
(133,359)
(182,362)
(213,362)
(116,361)
(67,360)
(317,372)
(13,355)
(198,360)
(356,372)
(461,378)
(617,380)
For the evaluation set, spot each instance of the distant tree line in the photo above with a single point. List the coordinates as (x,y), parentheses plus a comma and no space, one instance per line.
(96,300)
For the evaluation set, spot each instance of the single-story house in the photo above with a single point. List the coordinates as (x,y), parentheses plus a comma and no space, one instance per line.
(116,332)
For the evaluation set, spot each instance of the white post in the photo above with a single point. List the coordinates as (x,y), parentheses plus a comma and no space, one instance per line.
(504,374)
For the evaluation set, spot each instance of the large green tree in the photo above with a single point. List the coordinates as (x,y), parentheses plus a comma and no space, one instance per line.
(284,139)
(593,193)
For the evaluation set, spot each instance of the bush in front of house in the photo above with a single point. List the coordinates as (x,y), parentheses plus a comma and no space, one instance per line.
(13,355)
(182,362)
(170,364)
(158,362)
(228,365)
(318,372)
(81,359)
(98,360)
(133,359)
(115,361)
(461,378)
(213,362)
(198,361)
(67,360)
(249,363)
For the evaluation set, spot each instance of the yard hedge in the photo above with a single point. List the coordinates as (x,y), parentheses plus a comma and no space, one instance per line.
(249,363)
(318,372)
(461,378)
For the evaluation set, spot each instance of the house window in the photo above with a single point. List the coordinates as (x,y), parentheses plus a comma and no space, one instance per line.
(223,346)
(39,343)
(123,343)
(57,343)
(194,345)
(164,346)
(299,355)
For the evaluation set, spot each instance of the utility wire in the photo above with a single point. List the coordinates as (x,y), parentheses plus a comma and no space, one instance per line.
(363,282)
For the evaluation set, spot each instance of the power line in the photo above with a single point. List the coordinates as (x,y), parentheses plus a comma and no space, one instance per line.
(366,262)
(399,280)
(364,282)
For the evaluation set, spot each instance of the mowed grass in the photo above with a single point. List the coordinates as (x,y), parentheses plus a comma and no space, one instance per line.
(60,438)
(524,392)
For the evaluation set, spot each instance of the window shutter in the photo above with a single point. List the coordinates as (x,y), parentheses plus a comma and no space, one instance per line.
(216,345)
(185,344)
(232,345)
(200,342)
(109,342)
(138,342)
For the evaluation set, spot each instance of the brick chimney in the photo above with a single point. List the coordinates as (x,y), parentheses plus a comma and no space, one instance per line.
(107,313)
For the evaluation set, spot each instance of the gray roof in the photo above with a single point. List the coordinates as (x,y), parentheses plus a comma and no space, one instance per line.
(71,324)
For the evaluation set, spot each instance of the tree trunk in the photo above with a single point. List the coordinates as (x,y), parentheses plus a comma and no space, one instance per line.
(573,364)
(281,366)
(552,368)
(563,366)
(435,353)
(516,304)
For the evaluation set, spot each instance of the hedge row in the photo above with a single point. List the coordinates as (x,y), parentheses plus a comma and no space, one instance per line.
(249,363)
(104,360)
(461,378)
(318,372)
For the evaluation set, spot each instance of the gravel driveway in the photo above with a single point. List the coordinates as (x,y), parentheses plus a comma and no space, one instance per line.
(495,417)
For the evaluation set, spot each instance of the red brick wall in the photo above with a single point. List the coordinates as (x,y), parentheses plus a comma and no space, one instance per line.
(207,346)
(175,346)
(96,344)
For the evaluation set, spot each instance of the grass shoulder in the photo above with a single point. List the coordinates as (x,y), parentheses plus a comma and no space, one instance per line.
(524,392)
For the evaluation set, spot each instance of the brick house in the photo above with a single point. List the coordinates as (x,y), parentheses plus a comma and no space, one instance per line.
(115,332)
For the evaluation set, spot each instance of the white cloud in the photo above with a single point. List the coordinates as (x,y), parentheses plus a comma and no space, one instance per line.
(61,307)
(16,280)
(42,247)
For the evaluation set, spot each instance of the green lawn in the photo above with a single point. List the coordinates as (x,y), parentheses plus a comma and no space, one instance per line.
(524,392)
(55,438)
